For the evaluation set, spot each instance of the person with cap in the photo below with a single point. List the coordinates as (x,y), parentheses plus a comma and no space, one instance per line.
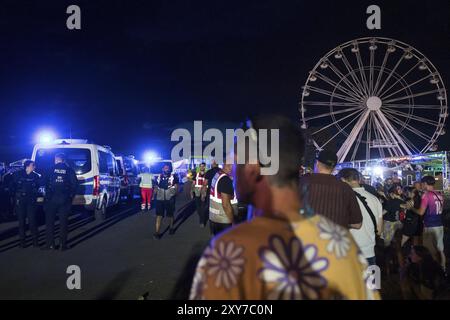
(60,189)
(328,195)
(25,187)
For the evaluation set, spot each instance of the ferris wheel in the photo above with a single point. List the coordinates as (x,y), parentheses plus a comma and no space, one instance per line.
(374,97)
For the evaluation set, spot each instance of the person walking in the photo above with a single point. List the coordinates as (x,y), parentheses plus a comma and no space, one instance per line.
(431,208)
(372,212)
(166,189)
(392,211)
(146,186)
(60,189)
(328,195)
(198,194)
(25,186)
(223,204)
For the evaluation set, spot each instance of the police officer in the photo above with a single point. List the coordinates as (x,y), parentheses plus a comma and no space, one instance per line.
(60,188)
(166,189)
(198,193)
(25,187)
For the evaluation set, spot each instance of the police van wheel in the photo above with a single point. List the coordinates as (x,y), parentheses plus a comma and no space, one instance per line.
(101,212)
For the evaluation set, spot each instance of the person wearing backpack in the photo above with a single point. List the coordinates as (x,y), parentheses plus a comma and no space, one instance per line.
(372,213)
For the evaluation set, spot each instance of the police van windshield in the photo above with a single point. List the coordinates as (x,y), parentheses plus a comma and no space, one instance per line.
(78,159)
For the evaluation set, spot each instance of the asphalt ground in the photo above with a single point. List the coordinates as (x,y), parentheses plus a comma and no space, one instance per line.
(118,257)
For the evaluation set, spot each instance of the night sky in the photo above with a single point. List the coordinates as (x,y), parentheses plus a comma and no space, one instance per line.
(138,69)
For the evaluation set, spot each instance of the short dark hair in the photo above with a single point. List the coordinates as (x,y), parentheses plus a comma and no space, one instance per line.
(291,146)
(428,180)
(61,156)
(27,163)
(349,174)
(203,163)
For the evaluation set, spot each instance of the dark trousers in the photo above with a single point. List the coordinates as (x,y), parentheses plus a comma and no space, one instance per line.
(217,228)
(200,206)
(165,208)
(26,208)
(62,208)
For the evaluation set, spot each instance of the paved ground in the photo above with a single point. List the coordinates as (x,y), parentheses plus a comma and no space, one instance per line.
(118,258)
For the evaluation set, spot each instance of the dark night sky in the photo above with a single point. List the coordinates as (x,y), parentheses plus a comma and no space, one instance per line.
(138,69)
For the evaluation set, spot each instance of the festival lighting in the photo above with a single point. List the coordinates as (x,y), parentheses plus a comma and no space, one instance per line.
(378,171)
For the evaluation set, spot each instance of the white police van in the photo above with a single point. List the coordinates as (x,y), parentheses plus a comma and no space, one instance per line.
(95,167)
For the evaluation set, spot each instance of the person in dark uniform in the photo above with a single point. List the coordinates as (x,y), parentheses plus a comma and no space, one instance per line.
(166,189)
(60,188)
(25,187)
(198,194)
(7,196)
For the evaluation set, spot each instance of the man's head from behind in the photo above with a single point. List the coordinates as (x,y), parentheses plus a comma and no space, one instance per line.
(227,168)
(350,176)
(60,158)
(290,149)
(214,164)
(325,162)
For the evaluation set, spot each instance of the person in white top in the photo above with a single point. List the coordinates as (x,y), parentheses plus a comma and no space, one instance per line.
(146,185)
(372,212)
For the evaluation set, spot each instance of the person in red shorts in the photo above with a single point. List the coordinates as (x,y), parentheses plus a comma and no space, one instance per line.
(146,185)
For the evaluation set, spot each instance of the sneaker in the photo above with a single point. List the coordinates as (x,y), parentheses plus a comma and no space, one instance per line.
(156,236)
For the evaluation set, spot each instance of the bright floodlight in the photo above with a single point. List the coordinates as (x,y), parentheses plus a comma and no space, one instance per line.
(378,171)
(45,137)
(150,157)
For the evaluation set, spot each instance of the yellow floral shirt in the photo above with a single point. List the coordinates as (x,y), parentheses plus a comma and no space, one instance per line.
(268,258)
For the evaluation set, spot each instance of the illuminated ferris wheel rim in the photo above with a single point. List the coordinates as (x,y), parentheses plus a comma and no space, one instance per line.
(358,91)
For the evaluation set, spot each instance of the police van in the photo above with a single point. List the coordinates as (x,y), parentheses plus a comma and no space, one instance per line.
(95,167)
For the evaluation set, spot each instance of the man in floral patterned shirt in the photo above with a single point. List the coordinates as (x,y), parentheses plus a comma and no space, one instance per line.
(284,252)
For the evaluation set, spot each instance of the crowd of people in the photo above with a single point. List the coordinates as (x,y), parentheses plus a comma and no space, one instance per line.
(307,237)
(314,237)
